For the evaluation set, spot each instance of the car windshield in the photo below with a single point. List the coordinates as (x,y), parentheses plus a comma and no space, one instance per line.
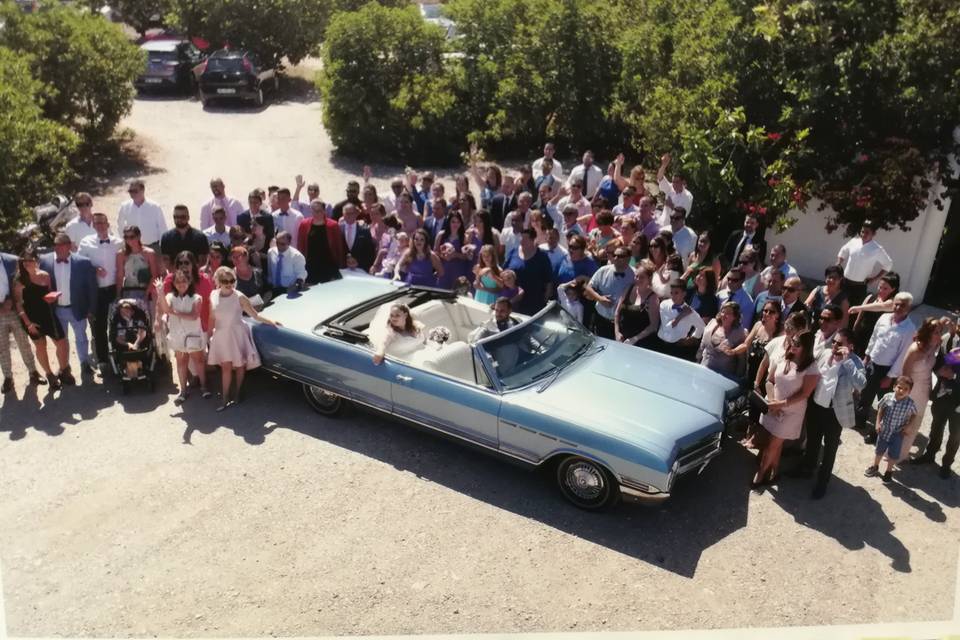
(161,56)
(535,350)
(225,64)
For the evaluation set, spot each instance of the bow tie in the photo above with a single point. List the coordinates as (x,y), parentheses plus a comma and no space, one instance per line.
(63,261)
(619,274)
(107,241)
(677,307)
(284,213)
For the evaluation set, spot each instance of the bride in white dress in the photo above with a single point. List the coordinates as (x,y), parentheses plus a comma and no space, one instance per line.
(403,336)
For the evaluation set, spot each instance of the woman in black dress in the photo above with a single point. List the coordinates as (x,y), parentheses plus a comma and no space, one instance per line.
(637,317)
(30,291)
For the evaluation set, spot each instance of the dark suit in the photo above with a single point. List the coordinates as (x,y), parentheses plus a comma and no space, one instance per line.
(797,306)
(433,226)
(757,242)
(500,206)
(83,297)
(363,248)
(265,219)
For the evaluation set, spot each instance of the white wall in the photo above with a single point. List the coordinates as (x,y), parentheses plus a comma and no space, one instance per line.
(810,249)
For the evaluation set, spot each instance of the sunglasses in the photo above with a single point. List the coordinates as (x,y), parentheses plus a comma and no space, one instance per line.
(827,318)
(676,217)
(729,279)
(226,281)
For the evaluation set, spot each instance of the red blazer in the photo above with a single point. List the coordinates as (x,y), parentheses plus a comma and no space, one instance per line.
(334,239)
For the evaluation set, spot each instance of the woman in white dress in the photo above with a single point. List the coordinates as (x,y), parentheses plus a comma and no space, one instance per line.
(184,331)
(404,335)
(231,343)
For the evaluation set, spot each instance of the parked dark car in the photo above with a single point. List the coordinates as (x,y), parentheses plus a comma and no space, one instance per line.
(170,64)
(235,74)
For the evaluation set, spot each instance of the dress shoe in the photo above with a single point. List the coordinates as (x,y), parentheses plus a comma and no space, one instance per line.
(7,385)
(66,378)
(36,379)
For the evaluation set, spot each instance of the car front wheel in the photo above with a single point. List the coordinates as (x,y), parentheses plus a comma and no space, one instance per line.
(587,484)
(258,97)
(322,401)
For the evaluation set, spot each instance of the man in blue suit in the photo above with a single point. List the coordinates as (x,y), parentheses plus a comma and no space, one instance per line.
(10,323)
(75,279)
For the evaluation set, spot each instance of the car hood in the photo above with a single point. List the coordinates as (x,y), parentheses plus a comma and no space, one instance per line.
(655,401)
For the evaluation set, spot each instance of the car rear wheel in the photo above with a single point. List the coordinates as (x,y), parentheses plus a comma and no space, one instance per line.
(586,484)
(258,98)
(204,100)
(322,401)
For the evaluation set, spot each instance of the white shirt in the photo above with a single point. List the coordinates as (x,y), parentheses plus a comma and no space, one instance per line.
(509,240)
(685,240)
(821,342)
(538,168)
(294,266)
(573,307)
(827,384)
(77,229)
(103,256)
(583,206)
(61,273)
(890,340)
(591,179)
(672,334)
(214,235)
(349,231)
(289,222)
(863,261)
(786,269)
(148,217)
(4,284)
(232,206)
(683,199)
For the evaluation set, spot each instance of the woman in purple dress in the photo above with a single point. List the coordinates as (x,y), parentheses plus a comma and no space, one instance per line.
(457,258)
(420,263)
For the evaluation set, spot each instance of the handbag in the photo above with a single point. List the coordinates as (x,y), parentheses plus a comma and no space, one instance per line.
(758,402)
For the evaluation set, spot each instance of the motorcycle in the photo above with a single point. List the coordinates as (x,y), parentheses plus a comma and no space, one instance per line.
(49,220)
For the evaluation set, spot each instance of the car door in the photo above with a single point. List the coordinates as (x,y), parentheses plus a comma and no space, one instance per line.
(458,407)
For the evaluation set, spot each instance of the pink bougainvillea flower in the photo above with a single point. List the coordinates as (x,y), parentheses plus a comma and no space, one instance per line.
(774,136)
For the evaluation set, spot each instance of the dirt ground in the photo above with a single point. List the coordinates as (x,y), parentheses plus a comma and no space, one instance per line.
(125,515)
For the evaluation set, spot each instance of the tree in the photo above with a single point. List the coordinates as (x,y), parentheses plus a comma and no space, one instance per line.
(274,30)
(86,64)
(142,14)
(36,151)
(384,88)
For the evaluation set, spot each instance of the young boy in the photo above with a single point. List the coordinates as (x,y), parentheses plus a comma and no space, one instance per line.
(895,411)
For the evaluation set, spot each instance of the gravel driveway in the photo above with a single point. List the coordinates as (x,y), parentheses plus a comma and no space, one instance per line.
(125,515)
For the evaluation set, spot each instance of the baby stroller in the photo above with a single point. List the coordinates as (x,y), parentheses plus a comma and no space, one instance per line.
(129,320)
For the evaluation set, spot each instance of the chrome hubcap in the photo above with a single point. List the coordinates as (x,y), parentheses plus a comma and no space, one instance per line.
(323,397)
(584,480)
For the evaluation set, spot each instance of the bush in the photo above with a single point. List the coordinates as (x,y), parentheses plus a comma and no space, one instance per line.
(86,64)
(384,89)
(36,151)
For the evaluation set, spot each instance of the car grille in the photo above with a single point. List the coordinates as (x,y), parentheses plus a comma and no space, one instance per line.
(696,454)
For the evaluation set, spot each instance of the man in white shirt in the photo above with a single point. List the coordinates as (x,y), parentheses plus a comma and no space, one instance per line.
(286,218)
(390,200)
(286,267)
(553,249)
(10,323)
(684,238)
(219,231)
(864,261)
(606,287)
(81,226)
(102,249)
(589,175)
(142,213)
(680,326)
(891,338)
(548,150)
(675,191)
(831,317)
(510,236)
(524,201)
(231,206)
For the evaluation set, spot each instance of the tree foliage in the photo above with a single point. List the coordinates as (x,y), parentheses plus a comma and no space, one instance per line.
(383,86)
(86,64)
(36,151)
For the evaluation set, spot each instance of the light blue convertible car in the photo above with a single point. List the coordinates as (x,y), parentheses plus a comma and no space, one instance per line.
(602,417)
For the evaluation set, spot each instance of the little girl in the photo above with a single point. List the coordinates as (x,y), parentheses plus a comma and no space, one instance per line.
(510,289)
(488,281)
(569,297)
(185,332)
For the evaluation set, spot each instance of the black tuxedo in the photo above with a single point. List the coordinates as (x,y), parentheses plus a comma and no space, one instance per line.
(757,242)
(264,218)
(363,248)
(500,206)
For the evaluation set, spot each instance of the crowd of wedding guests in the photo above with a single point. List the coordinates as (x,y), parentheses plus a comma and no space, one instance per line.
(614,252)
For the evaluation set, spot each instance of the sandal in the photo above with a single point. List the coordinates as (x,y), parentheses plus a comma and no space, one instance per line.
(205,394)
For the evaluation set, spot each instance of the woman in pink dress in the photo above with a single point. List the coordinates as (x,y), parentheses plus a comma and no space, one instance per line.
(918,362)
(789,386)
(231,345)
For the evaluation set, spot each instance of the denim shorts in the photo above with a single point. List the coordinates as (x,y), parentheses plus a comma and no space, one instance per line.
(890,446)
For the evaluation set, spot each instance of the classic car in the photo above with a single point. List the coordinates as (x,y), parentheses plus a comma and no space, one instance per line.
(602,417)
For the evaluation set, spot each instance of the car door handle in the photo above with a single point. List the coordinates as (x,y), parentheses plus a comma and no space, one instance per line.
(402,378)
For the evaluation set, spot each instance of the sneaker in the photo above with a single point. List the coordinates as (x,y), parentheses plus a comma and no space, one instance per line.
(7,385)
(36,379)
(926,458)
(945,472)
(66,378)
(818,492)
(871,471)
(887,477)
(180,399)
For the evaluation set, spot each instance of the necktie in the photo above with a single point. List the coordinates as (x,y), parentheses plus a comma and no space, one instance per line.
(277,277)
(284,213)
(743,242)
(63,261)
(586,182)
(107,241)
